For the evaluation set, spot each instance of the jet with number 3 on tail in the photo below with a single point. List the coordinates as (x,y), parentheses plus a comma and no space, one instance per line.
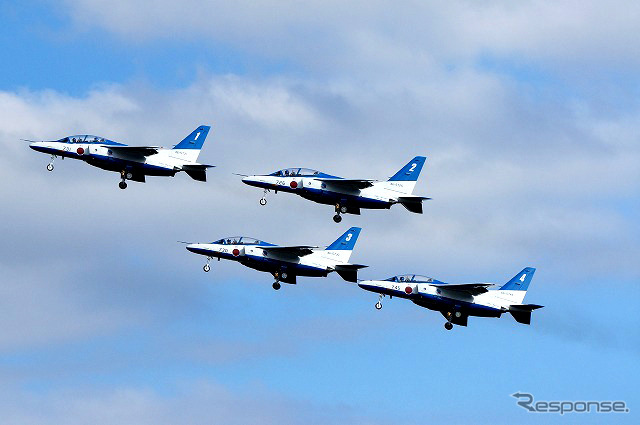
(457,302)
(348,196)
(132,162)
(285,263)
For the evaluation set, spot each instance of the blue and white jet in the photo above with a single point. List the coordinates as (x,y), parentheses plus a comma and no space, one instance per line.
(285,263)
(132,162)
(457,302)
(347,195)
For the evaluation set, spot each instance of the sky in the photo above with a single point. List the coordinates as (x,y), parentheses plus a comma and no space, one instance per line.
(528,114)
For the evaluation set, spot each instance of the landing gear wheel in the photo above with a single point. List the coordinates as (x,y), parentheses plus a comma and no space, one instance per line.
(122,185)
(49,167)
(206,268)
(448,326)
(378,305)
(337,218)
(263,201)
(276,285)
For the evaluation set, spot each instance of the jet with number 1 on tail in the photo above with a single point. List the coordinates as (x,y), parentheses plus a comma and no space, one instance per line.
(456,301)
(348,196)
(132,162)
(285,263)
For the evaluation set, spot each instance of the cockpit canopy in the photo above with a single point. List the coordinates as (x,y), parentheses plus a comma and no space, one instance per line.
(239,240)
(295,172)
(84,138)
(410,278)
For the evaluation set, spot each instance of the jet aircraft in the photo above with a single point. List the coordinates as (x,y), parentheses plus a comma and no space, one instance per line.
(132,162)
(285,263)
(457,302)
(347,195)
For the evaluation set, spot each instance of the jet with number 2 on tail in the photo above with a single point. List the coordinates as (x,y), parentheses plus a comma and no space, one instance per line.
(285,263)
(132,162)
(347,195)
(457,302)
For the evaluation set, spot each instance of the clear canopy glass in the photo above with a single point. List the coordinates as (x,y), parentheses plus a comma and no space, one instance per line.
(410,278)
(238,240)
(295,172)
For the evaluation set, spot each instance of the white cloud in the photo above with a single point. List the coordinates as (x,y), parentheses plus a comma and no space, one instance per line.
(369,36)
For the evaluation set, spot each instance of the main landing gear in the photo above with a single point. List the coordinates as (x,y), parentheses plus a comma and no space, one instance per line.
(124,175)
(339,209)
(50,165)
(450,314)
(278,276)
(263,200)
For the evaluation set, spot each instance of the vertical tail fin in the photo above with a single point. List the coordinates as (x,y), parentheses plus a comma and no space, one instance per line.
(407,176)
(343,246)
(521,281)
(192,144)
(515,289)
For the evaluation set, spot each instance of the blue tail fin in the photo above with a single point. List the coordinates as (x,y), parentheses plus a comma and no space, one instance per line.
(347,241)
(521,281)
(411,171)
(195,140)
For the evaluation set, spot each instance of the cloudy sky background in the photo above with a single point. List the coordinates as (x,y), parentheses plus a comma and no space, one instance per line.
(529,115)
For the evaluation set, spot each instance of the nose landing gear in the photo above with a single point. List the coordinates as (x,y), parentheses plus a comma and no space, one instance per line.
(207,267)
(263,200)
(379,303)
(50,165)
(448,326)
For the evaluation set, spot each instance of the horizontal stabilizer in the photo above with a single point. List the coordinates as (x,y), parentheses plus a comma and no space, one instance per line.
(522,312)
(412,203)
(349,272)
(197,171)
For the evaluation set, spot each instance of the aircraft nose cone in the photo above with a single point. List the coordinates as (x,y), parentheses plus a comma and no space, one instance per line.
(36,146)
(192,247)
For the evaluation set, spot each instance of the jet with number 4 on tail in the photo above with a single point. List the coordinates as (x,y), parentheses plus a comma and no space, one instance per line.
(348,196)
(285,263)
(457,302)
(132,162)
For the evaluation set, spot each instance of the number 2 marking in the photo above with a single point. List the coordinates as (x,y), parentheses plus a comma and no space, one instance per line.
(413,167)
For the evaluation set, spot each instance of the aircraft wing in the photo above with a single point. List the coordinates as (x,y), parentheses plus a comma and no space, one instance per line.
(134,150)
(469,288)
(348,183)
(297,251)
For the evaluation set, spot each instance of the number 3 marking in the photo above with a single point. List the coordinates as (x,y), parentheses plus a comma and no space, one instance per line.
(348,237)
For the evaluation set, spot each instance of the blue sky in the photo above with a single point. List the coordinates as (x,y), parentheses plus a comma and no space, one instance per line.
(528,115)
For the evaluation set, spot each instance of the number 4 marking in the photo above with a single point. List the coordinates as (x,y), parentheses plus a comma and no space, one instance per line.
(522,278)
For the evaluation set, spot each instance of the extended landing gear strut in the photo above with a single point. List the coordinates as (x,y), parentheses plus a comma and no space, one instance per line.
(379,303)
(278,276)
(50,165)
(263,200)
(207,267)
(124,175)
(450,314)
(339,209)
